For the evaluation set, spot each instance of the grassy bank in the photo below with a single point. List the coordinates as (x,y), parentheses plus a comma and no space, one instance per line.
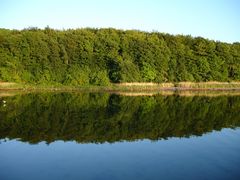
(135,86)
(213,85)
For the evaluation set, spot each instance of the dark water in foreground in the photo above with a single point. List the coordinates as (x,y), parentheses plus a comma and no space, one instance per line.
(107,136)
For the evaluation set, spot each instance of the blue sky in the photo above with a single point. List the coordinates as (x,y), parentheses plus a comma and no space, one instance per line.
(212,19)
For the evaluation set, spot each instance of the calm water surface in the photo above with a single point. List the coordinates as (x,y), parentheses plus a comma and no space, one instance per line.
(108,136)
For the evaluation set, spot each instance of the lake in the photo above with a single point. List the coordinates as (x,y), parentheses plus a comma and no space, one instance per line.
(119,136)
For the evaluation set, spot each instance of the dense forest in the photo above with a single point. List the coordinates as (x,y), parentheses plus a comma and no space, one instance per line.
(103,56)
(102,117)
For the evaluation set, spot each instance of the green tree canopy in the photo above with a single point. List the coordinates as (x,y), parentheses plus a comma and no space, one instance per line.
(101,56)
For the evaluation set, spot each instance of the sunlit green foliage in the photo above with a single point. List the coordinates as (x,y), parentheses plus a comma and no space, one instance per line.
(100,56)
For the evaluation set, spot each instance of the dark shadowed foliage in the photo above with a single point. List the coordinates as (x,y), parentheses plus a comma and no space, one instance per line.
(102,117)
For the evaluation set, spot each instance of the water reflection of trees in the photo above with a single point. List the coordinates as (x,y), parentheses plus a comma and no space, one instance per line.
(89,117)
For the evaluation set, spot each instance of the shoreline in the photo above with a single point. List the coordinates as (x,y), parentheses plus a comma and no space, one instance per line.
(128,87)
(131,89)
(106,89)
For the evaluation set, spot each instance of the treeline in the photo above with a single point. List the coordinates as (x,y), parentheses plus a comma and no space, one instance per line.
(102,56)
(98,118)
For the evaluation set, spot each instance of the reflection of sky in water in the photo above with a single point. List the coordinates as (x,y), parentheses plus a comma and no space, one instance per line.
(212,156)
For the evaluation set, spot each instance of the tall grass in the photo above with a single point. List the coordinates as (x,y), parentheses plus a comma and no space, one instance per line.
(133,86)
